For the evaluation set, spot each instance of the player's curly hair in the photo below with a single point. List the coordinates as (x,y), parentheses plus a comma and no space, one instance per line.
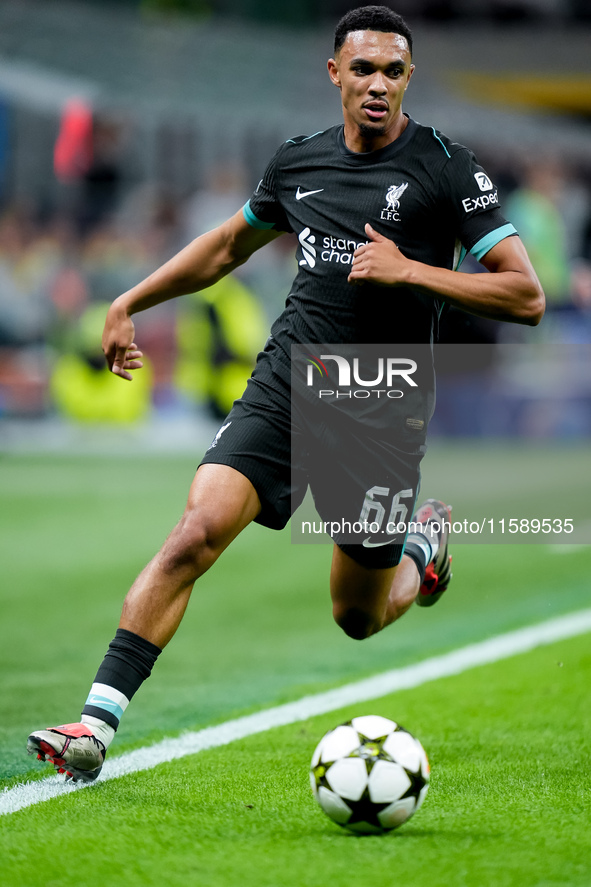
(371,18)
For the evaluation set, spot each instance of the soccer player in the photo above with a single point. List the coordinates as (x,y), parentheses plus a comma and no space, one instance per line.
(384,208)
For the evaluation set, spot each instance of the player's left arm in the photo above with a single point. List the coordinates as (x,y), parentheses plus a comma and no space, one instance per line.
(511,292)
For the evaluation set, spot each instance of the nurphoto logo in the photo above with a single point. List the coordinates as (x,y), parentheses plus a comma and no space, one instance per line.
(388,371)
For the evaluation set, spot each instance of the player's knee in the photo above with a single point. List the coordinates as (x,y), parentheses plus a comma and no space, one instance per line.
(356,623)
(192,547)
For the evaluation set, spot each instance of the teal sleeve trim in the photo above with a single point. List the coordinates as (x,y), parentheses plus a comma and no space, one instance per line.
(252,219)
(440,142)
(491,239)
(461,257)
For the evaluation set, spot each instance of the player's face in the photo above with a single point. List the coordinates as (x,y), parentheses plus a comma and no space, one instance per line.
(372,69)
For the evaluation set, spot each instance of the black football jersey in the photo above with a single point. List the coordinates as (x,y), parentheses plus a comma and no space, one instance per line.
(423,191)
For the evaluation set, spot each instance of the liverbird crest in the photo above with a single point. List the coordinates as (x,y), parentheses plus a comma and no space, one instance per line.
(394,194)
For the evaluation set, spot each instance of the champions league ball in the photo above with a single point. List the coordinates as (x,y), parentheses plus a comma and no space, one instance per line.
(369,775)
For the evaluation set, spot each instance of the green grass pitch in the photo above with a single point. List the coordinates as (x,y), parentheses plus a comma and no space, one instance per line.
(509,743)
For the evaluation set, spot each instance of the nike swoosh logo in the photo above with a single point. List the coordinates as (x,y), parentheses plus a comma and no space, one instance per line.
(104,703)
(300,194)
(367,543)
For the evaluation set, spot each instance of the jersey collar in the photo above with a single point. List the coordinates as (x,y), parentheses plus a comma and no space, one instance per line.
(356,158)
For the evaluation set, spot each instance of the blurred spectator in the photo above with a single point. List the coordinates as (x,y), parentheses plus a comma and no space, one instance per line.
(534,210)
(89,162)
(269,272)
(84,389)
(220,331)
(103,179)
(27,258)
(72,155)
(224,195)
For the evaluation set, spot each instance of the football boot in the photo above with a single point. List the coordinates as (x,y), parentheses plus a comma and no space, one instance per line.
(433,515)
(72,749)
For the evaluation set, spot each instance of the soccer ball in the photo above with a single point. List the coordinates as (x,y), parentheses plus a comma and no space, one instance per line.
(369,775)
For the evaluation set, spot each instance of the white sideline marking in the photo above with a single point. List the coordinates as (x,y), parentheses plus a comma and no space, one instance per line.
(496,648)
(571,548)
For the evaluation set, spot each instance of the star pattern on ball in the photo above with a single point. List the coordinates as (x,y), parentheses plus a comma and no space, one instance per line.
(370,774)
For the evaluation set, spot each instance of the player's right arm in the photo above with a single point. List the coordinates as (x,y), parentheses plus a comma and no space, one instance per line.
(199,265)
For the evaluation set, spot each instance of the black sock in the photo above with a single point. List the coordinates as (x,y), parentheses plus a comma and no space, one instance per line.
(127,663)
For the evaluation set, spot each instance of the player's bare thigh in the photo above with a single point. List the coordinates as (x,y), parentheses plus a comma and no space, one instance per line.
(222,501)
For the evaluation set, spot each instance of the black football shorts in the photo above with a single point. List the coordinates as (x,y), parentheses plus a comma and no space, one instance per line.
(364,486)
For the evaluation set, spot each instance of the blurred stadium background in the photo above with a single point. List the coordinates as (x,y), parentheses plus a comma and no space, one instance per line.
(129,127)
